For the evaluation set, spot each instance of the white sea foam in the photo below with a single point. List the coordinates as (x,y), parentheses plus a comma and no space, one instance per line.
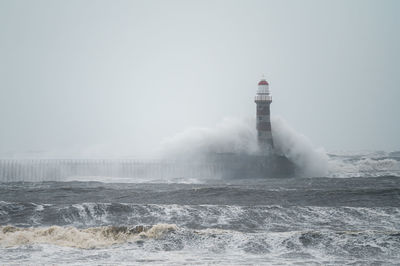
(216,216)
(204,246)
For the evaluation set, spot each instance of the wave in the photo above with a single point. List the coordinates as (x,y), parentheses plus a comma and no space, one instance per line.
(94,237)
(232,135)
(235,135)
(240,218)
(363,164)
(306,246)
(312,161)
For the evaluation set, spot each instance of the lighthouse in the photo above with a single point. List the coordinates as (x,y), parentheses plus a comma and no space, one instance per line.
(263,100)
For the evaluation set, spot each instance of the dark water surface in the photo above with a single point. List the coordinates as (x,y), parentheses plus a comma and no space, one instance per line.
(356,192)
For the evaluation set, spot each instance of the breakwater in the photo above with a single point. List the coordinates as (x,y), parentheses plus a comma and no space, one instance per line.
(14,170)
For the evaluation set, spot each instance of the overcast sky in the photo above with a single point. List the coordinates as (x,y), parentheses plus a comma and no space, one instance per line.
(126,74)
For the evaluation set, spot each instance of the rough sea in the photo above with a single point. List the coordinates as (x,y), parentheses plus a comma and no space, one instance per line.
(351,216)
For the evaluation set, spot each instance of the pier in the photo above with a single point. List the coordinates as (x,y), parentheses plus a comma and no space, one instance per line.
(36,170)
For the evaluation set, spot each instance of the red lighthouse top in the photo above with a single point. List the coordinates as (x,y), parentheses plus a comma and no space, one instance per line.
(263,82)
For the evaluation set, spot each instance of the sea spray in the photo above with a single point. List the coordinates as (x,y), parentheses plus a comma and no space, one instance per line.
(299,149)
(231,135)
(239,135)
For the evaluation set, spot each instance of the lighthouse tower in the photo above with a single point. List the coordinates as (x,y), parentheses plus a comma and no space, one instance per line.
(263,100)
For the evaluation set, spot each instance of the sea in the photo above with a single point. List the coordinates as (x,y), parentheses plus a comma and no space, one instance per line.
(349,216)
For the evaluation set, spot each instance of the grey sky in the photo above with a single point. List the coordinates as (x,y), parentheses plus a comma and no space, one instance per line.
(127,74)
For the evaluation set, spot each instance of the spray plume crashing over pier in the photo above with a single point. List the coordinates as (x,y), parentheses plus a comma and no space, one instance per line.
(180,157)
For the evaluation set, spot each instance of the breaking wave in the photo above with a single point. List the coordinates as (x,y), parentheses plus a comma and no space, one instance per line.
(299,149)
(235,135)
(239,218)
(93,237)
(232,135)
(307,246)
(363,164)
